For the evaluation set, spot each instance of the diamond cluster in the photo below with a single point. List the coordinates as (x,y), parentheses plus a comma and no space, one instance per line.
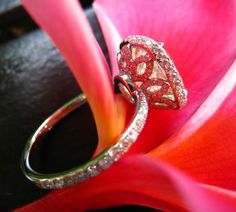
(152,70)
(108,157)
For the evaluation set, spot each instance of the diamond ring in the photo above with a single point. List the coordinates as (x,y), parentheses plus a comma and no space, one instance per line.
(147,77)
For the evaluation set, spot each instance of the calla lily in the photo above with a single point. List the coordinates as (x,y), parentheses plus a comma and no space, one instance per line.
(183,160)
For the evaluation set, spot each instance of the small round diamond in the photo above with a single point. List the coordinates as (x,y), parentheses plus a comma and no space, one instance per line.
(104,163)
(47,184)
(58,183)
(69,181)
(115,153)
(92,170)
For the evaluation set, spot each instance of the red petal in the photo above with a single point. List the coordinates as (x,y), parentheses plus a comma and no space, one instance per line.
(205,147)
(137,180)
(200,37)
(66,24)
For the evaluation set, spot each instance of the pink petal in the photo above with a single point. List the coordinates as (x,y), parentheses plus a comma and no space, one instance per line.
(66,24)
(200,37)
(137,180)
(205,146)
(112,37)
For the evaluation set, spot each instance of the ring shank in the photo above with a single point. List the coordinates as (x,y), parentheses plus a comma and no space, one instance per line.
(96,164)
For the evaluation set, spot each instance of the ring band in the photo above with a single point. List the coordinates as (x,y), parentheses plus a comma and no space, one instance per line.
(98,163)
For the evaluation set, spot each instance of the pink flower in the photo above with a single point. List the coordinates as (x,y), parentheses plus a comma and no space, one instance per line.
(183,160)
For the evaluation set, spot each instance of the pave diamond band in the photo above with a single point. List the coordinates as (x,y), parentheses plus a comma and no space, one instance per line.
(98,163)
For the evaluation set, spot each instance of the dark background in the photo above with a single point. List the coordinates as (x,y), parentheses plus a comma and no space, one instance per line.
(35,81)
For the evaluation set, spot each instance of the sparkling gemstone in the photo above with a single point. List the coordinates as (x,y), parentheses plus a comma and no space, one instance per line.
(139,124)
(178,88)
(137,51)
(141,67)
(58,183)
(104,163)
(158,72)
(121,146)
(69,181)
(153,88)
(133,135)
(92,170)
(154,48)
(185,92)
(115,153)
(176,80)
(80,176)
(48,184)
(160,55)
(148,42)
(170,97)
(126,142)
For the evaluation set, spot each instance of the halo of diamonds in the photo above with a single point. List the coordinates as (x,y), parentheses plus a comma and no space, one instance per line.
(108,157)
(155,53)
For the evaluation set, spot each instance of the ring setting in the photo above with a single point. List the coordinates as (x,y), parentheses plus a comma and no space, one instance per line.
(151,69)
(148,77)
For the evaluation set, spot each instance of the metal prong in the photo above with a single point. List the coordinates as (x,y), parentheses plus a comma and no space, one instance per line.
(126,87)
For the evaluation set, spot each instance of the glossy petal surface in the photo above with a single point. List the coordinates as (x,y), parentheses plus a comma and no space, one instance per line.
(205,146)
(124,183)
